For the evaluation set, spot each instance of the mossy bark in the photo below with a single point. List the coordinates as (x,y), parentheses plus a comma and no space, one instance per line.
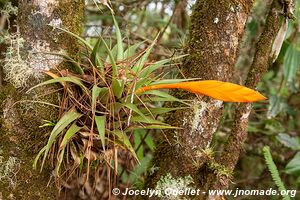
(215,35)
(259,66)
(20,135)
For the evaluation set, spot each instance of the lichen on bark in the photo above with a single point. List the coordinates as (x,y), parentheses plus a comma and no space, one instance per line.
(31,47)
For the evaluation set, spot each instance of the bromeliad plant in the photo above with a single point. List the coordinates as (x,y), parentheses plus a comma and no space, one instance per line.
(99,107)
(109,96)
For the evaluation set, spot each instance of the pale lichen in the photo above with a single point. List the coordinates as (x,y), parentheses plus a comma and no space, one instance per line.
(153,169)
(8,170)
(216,20)
(40,59)
(247,112)
(46,7)
(15,66)
(245,115)
(21,65)
(25,60)
(169,183)
(218,103)
(55,23)
(199,109)
(232,9)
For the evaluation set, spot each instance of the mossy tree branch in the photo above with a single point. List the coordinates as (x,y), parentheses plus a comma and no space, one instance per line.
(259,66)
(215,35)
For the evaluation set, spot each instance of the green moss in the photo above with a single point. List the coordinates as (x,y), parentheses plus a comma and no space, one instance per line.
(219,170)
(19,180)
(6,90)
(71,12)
(25,116)
(36,112)
(2,3)
(205,36)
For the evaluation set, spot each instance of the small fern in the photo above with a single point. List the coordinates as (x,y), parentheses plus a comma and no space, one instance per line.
(274,171)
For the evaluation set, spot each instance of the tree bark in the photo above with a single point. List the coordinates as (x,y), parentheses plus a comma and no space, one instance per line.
(215,35)
(20,135)
(260,64)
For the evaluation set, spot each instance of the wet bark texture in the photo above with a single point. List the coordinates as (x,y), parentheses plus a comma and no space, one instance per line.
(215,35)
(20,135)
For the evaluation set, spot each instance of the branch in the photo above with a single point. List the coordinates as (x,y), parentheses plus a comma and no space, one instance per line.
(260,64)
(215,34)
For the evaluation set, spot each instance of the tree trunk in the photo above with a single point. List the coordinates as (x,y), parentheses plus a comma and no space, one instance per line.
(259,66)
(25,60)
(215,35)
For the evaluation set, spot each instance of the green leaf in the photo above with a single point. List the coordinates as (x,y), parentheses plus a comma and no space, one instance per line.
(137,142)
(116,107)
(69,134)
(122,137)
(65,121)
(169,81)
(103,95)
(157,65)
(150,143)
(131,50)
(298,179)
(146,81)
(161,96)
(95,56)
(38,157)
(134,108)
(291,64)
(141,116)
(288,141)
(48,124)
(120,54)
(118,87)
(114,53)
(146,119)
(293,167)
(60,159)
(95,93)
(77,37)
(160,110)
(61,80)
(154,99)
(274,171)
(111,57)
(100,122)
(154,126)
(141,62)
(275,106)
(137,173)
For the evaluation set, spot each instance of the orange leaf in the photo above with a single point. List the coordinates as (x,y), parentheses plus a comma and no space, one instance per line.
(51,74)
(223,91)
(54,76)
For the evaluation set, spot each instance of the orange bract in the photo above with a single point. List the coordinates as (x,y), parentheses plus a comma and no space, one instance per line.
(223,91)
